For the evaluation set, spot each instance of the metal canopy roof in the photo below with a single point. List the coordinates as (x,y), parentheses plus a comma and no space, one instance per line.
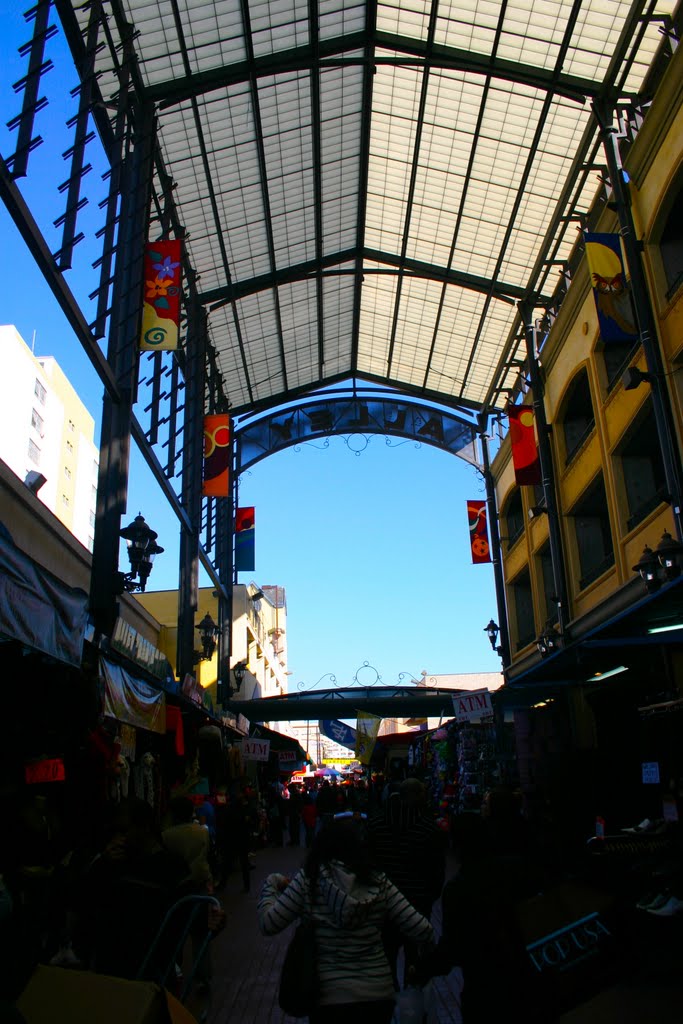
(385,701)
(369,188)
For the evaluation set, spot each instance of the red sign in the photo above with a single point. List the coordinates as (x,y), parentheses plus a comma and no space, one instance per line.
(50,770)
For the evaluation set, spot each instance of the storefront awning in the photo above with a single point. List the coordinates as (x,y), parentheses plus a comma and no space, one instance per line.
(280,743)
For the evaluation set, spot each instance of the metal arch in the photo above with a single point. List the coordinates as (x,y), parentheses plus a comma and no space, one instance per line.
(325,416)
(346,702)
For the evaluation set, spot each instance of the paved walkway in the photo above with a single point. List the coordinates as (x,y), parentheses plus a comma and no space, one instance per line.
(246,968)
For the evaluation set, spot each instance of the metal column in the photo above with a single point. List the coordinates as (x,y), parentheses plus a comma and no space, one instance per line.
(496,555)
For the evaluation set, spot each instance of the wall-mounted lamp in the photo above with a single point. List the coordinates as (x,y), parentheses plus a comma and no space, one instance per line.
(537,510)
(208,631)
(599,676)
(632,378)
(142,549)
(492,629)
(660,566)
(257,595)
(548,642)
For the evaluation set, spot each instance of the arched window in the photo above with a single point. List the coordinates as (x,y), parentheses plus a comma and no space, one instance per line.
(671,246)
(523,606)
(642,466)
(577,417)
(592,533)
(514,517)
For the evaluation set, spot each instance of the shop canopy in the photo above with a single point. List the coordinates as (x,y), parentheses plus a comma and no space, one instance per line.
(345,703)
(279,742)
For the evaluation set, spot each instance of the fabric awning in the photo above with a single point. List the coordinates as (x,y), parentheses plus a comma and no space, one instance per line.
(279,742)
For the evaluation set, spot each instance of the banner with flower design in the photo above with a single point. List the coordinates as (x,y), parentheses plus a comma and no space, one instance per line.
(479,537)
(161,306)
(217,452)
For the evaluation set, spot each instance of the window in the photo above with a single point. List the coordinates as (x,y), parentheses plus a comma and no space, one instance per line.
(618,356)
(545,565)
(92,520)
(642,467)
(37,421)
(67,472)
(592,533)
(70,447)
(577,417)
(514,518)
(40,392)
(671,247)
(524,609)
(71,425)
(34,452)
(65,501)
(93,496)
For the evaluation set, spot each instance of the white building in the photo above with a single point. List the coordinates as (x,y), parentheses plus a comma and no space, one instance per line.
(46,431)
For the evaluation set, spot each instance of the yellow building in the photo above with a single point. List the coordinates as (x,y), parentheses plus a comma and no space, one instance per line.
(609,424)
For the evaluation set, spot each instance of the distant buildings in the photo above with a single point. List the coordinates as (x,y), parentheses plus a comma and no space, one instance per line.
(47,435)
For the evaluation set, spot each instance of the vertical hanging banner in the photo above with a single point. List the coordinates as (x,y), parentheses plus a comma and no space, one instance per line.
(245,535)
(217,451)
(479,535)
(161,304)
(367,727)
(523,440)
(610,288)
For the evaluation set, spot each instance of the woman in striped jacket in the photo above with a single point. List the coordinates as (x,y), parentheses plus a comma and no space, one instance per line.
(349,902)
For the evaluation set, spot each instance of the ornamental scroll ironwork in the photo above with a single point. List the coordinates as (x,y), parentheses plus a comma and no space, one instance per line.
(391,417)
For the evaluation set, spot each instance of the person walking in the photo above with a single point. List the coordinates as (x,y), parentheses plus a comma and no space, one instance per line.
(349,902)
(407,845)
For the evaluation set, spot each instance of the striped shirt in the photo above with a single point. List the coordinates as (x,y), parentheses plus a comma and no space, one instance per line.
(348,916)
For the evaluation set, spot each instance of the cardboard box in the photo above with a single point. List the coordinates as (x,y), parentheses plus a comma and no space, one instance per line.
(59,995)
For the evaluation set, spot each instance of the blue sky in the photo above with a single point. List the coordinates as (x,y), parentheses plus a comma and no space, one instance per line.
(371,548)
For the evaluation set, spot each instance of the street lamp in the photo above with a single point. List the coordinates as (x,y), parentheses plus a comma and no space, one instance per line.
(208,631)
(664,561)
(142,547)
(492,629)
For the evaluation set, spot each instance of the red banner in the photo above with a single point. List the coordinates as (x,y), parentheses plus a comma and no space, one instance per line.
(245,535)
(161,306)
(479,538)
(523,441)
(217,451)
(49,770)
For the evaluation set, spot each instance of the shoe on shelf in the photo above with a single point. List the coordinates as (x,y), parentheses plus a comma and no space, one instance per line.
(672,907)
(644,826)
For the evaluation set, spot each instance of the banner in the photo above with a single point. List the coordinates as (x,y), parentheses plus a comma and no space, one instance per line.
(479,537)
(610,287)
(523,442)
(161,305)
(217,452)
(132,700)
(245,534)
(471,706)
(367,727)
(338,731)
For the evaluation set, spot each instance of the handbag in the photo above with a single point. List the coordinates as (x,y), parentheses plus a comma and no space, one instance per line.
(298,992)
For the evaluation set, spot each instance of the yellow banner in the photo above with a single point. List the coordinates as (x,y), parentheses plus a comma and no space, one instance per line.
(367,727)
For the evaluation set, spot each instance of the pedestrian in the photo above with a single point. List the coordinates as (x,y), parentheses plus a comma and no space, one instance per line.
(407,844)
(294,806)
(309,815)
(350,902)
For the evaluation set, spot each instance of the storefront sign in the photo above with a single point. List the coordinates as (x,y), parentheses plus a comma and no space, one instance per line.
(49,770)
(650,770)
(286,755)
(470,707)
(255,750)
(192,690)
(569,945)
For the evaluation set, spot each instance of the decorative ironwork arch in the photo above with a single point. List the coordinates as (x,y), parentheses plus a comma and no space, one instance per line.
(362,415)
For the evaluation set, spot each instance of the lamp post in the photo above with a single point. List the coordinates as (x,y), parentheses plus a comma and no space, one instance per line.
(208,631)
(492,629)
(142,548)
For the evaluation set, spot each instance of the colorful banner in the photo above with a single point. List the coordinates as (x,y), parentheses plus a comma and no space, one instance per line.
(523,440)
(339,732)
(610,287)
(161,305)
(132,700)
(367,727)
(245,535)
(479,537)
(217,452)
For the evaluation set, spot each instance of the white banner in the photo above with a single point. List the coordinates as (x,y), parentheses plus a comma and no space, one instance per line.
(255,750)
(470,707)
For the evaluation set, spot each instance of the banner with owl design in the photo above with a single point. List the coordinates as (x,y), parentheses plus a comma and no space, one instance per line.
(161,306)
(217,452)
(610,288)
(479,534)
(245,535)
(523,441)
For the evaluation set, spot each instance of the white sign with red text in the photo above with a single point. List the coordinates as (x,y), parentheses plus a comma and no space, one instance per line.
(471,706)
(255,750)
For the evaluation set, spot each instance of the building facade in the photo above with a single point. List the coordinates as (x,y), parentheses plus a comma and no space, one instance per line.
(47,432)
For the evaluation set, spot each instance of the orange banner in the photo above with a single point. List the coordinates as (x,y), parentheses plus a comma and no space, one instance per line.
(523,441)
(217,451)
(479,538)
